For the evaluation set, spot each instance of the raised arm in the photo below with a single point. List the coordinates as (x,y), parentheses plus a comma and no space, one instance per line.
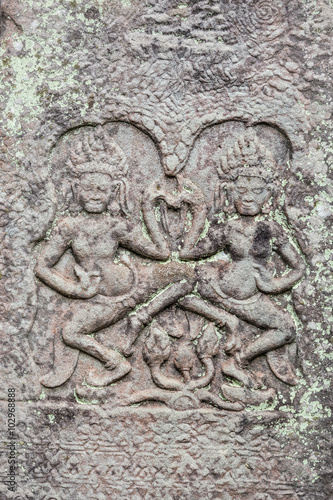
(133,239)
(212,243)
(50,255)
(195,200)
(297,268)
(292,259)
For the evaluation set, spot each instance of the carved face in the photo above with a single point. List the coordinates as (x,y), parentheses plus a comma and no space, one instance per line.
(94,191)
(250,194)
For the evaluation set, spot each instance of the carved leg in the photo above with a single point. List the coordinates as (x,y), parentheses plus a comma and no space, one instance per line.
(280,330)
(163,300)
(65,358)
(220,318)
(144,315)
(114,371)
(233,368)
(213,313)
(80,341)
(271,339)
(90,319)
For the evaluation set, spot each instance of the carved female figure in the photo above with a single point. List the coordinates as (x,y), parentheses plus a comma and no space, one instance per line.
(93,237)
(241,285)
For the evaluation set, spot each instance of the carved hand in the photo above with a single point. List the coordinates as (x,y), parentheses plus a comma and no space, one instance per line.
(89,282)
(265,280)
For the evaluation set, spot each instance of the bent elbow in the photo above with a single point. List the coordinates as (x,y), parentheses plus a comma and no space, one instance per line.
(164,254)
(40,271)
(301,269)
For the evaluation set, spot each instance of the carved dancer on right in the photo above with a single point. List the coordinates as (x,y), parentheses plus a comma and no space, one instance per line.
(241,285)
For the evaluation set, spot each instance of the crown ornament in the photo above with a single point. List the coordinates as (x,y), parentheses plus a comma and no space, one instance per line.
(247,157)
(97,152)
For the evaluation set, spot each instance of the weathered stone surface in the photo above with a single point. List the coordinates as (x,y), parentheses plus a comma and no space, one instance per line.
(137,453)
(165,238)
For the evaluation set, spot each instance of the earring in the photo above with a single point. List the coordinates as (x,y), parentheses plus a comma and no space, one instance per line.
(230,208)
(267,207)
(75,205)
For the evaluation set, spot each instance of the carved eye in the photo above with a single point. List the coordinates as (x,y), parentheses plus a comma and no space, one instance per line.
(242,190)
(258,190)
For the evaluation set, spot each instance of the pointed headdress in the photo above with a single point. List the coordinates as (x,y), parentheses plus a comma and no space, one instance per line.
(247,157)
(98,152)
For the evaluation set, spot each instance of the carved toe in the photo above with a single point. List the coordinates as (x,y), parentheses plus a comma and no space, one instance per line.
(232,368)
(99,379)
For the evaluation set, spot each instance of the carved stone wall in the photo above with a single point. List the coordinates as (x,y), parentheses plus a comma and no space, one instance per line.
(165,248)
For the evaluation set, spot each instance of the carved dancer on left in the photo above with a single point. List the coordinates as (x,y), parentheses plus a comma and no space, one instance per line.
(93,237)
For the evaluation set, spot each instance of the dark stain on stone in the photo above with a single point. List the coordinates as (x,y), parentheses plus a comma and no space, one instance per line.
(261,240)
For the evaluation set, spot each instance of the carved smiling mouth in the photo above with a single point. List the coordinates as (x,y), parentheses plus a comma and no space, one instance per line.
(248,205)
(95,203)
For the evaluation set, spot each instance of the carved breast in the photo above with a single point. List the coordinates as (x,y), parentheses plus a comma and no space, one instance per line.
(94,242)
(254,241)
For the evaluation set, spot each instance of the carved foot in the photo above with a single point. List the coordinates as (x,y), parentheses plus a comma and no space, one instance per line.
(109,375)
(232,368)
(133,328)
(281,366)
(247,396)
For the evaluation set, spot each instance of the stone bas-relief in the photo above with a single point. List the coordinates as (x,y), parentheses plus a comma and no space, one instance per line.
(197,307)
(93,237)
(165,260)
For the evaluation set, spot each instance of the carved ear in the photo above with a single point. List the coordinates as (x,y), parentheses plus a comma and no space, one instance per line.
(221,196)
(119,203)
(277,196)
(123,197)
(114,205)
(73,203)
(67,195)
(267,207)
(230,207)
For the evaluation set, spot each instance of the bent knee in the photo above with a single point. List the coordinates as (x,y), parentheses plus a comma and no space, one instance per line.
(282,321)
(189,285)
(232,322)
(126,366)
(67,336)
(289,334)
(71,335)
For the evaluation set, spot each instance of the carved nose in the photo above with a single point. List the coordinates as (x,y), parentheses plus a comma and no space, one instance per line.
(248,197)
(95,196)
